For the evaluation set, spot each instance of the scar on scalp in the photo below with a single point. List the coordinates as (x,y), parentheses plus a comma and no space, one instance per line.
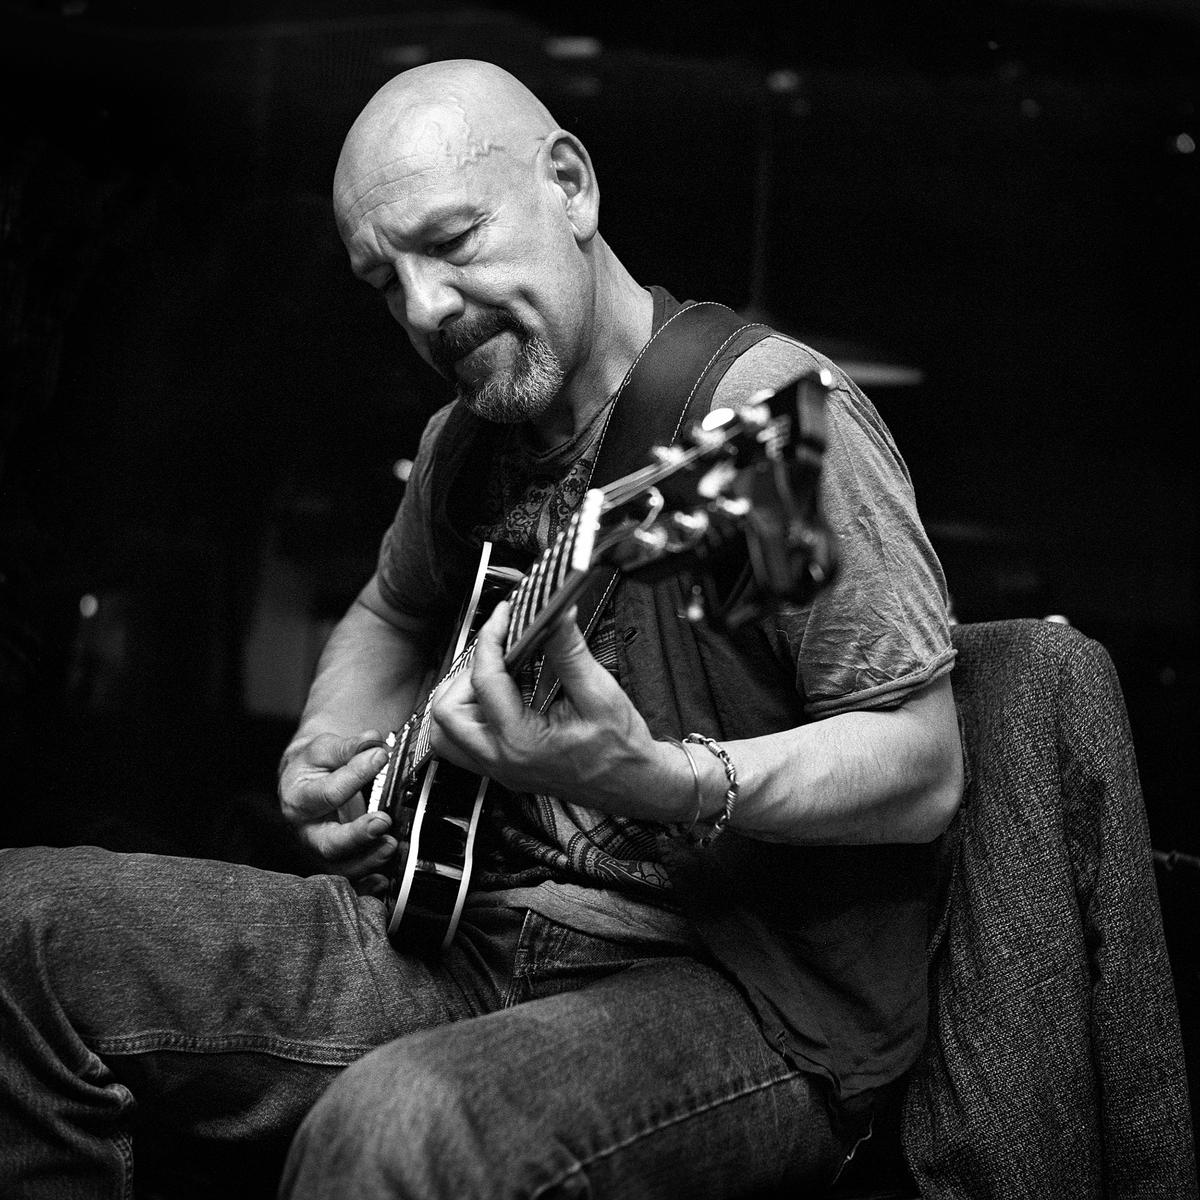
(452,137)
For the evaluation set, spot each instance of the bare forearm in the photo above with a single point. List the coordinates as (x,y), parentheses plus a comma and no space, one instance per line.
(368,677)
(861,777)
(366,684)
(888,776)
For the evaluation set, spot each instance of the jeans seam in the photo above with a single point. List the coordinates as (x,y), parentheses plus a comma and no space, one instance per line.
(659,1126)
(153,1040)
(522,955)
(125,1149)
(539,945)
(351,906)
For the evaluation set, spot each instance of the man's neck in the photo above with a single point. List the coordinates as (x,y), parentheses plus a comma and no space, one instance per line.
(624,320)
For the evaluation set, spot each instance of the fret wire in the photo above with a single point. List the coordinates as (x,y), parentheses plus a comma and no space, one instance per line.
(543,583)
(526,613)
(549,559)
(510,634)
(422,743)
(549,562)
(517,603)
(566,551)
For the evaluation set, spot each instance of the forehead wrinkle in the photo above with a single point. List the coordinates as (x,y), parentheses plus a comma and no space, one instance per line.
(370,236)
(388,190)
(395,183)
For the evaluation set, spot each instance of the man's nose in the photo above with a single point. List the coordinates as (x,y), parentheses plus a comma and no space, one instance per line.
(427,298)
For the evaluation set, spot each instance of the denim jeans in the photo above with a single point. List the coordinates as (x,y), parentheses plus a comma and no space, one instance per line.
(201,1009)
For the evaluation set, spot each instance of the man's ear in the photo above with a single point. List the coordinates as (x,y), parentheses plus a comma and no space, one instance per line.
(576,180)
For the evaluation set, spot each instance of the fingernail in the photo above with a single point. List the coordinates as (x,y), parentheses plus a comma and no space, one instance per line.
(378,823)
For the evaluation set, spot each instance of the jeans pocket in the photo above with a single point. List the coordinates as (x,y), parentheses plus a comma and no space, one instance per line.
(552,958)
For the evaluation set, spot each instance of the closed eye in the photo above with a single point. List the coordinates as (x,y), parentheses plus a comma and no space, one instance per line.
(450,245)
(460,243)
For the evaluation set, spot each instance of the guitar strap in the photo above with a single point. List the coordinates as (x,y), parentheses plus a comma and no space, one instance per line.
(668,388)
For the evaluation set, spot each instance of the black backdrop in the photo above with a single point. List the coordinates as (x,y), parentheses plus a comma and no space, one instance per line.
(203,410)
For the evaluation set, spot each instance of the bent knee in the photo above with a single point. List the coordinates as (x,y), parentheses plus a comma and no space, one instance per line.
(414,1119)
(36,884)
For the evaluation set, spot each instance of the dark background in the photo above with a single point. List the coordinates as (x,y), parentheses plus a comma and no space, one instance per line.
(989,208)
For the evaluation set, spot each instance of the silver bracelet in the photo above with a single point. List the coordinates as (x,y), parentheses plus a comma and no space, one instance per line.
(681,830)
(731,792)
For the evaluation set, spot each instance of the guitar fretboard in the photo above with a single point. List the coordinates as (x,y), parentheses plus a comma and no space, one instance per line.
(567,557)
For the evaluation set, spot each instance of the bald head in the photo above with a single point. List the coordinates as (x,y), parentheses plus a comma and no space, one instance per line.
(476,216)
(460,111)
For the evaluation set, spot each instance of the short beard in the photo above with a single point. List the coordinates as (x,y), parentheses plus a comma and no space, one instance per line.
(521,394)
(509,396)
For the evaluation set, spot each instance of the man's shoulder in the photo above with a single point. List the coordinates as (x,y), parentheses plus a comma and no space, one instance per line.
(770,363)
(437,422)
(449,438)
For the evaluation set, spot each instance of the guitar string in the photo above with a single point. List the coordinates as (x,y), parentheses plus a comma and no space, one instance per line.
(521,607)
(568,553)
(545,585)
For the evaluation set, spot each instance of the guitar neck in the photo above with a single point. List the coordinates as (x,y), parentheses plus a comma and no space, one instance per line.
(553,584)
(548,590)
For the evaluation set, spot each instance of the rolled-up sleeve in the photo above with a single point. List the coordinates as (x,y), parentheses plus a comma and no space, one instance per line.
(880,630)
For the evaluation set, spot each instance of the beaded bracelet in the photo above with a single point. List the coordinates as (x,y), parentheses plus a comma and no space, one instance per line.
(731,792)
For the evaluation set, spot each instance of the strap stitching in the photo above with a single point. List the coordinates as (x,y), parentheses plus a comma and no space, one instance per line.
(708,367)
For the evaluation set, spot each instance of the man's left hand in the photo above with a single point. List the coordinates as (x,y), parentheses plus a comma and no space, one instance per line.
(591,747)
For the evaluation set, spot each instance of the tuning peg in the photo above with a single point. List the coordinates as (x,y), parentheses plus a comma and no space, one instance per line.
(691,524)
(756,412)
(717,420)
(695,611)
(653,541)
(736,507)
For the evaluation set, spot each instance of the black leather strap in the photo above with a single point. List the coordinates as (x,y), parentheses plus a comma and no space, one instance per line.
(667,389)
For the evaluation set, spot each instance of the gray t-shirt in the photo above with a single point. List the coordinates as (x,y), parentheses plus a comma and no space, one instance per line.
(878,633)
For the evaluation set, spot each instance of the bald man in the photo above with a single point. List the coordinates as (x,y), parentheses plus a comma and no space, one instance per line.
(589,1030)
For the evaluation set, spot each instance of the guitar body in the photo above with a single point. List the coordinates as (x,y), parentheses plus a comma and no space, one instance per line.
(435,826)
(435,806)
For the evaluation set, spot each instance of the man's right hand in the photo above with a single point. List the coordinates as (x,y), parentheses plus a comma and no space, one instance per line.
(320,786)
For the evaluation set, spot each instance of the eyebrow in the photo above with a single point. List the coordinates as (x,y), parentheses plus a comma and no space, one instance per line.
(447,213)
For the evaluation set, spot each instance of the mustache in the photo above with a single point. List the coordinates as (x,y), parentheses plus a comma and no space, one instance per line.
(448,345)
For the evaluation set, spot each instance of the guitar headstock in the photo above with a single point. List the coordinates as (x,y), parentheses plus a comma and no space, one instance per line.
(738,497)
(734,505)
